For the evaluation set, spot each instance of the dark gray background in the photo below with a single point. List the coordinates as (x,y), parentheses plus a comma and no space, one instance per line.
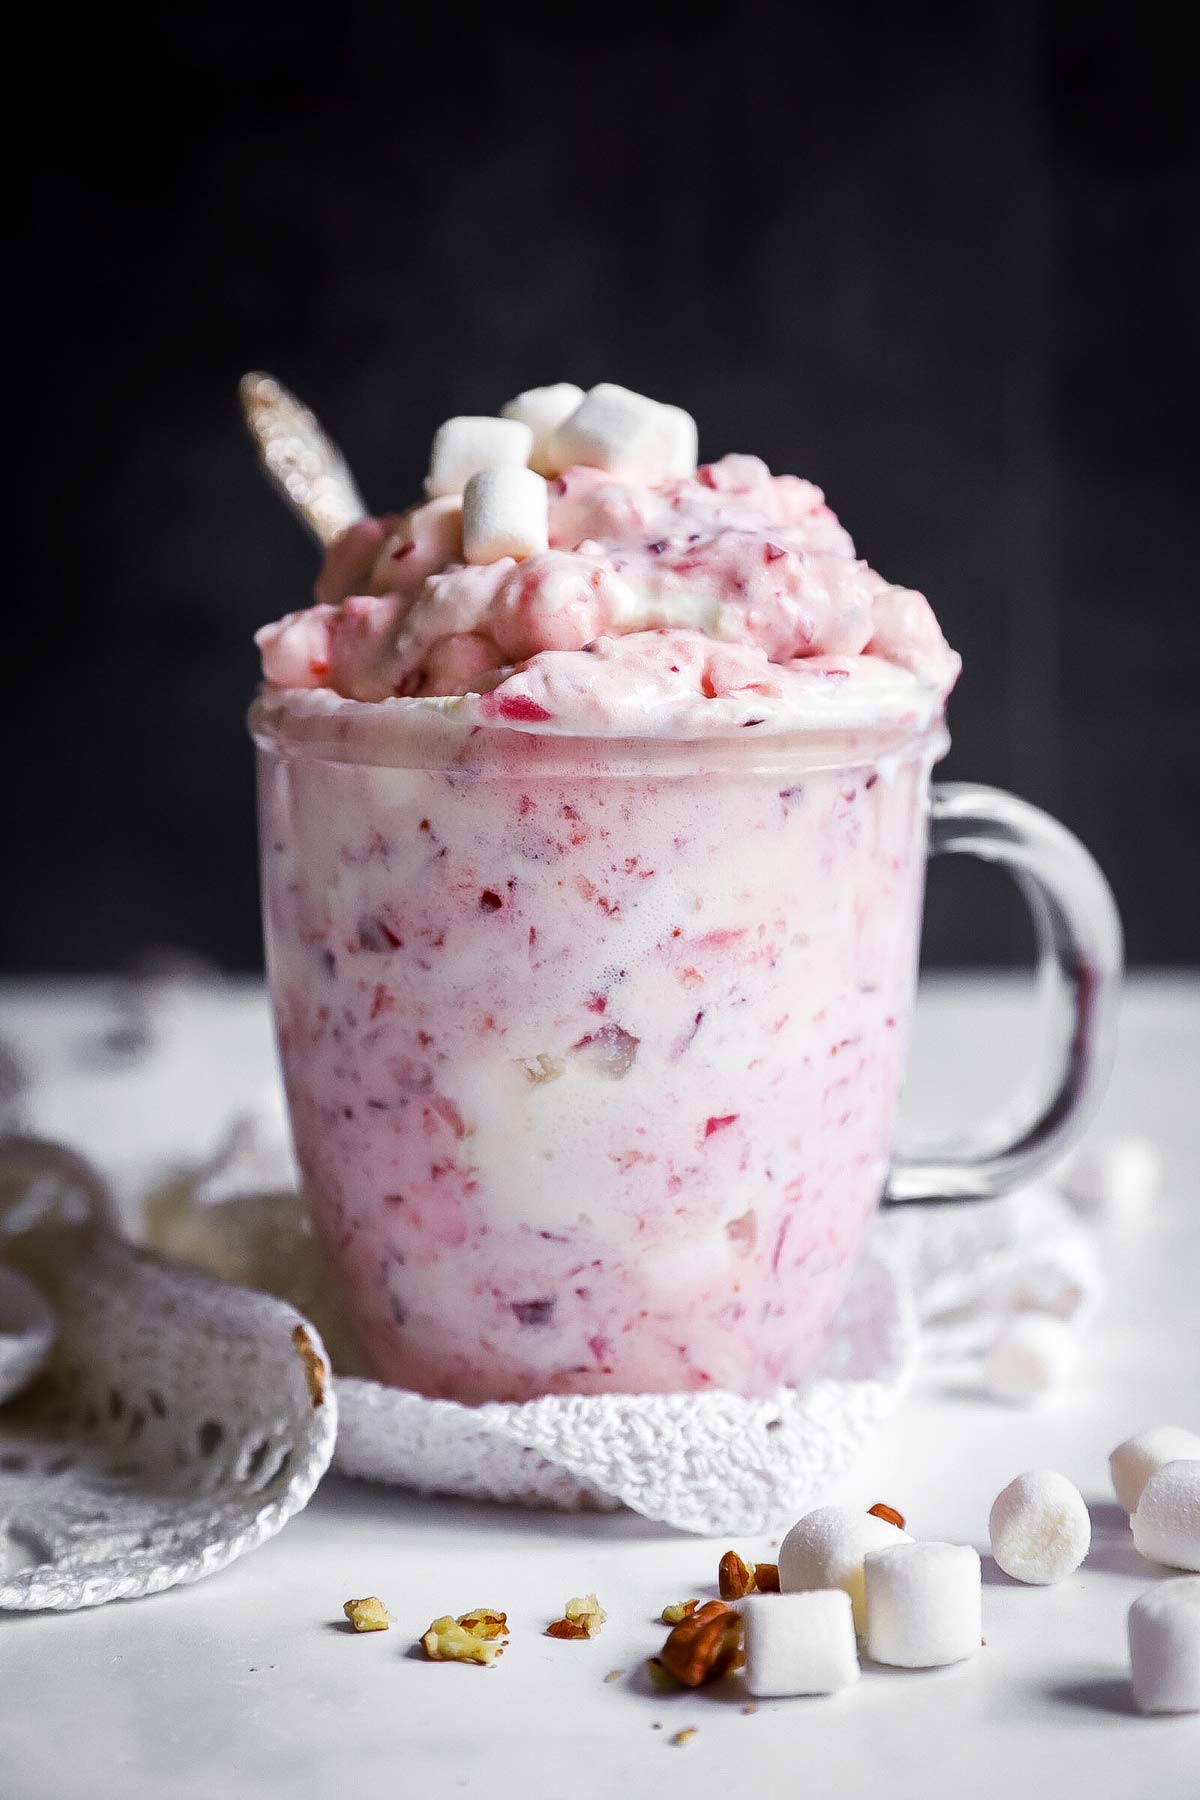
(940,261)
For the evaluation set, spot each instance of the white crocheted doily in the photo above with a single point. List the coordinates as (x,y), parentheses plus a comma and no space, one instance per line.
(176,1423)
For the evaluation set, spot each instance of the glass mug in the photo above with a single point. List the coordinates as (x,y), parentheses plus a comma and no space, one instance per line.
(593,1048)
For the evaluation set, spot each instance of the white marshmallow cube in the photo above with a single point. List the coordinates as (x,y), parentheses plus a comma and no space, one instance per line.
(1166,1525)
(543,409)
(1164,1647)
(799,1643)
(1135,1461)
(924,1604)
(1031,1356)
(683,442)
(624,433)
(1121,1176)
(463,446)
(1040,1528)
(504,514)
(825,1549)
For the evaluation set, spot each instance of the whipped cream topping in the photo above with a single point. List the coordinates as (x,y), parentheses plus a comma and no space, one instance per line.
(689,607)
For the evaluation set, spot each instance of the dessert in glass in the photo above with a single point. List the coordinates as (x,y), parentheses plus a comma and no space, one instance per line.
(595,807)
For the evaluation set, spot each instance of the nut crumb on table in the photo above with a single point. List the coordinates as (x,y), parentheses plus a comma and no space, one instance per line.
(369,1614)
(582,1618)
(471,1638)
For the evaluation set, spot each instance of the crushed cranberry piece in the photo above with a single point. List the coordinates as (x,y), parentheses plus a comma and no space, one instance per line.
(534,1312)
(719,1124)
(490,901)
(376,934)
(520,708)
(382,1001)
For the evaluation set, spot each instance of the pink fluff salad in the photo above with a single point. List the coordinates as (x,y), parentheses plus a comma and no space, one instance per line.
(684,609)
(592,890)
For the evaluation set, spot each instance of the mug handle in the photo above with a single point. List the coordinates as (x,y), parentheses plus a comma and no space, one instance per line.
(1079,959)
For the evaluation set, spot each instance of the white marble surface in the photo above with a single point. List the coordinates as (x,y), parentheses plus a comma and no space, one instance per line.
(249,1685)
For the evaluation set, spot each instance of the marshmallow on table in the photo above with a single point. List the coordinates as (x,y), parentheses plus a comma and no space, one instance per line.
(1122,1175)
(543,409)
(799,1643)
(924,1604)
(1164,1647)
(625,434)
(1029,1357)
(825,1549)
(1166,1525)
(463,446)
(1135,1461)
(504,514)
(1040,1528)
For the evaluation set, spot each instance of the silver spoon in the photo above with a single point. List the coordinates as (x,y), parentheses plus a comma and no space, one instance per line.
(299,459)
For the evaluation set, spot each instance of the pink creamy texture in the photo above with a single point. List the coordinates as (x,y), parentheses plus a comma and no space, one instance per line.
(699,607)
(592,889)
(592,1074)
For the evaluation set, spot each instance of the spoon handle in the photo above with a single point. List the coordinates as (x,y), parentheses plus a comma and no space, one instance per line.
(298,458)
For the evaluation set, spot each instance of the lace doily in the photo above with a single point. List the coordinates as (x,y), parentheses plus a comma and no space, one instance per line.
(176,1424)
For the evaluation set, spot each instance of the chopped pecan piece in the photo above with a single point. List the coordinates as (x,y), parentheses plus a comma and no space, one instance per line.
(880,1511)
(766,1577)
(471,1638)
(704,1647)
(567,1628)
(735,1576)
(582,1619)
(367,1615)
(678,1611)
(485,1623)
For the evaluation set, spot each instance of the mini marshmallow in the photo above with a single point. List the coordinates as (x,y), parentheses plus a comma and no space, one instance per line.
(924,1604)
(683,442)
(504,514)
(1120,1176)
(825,1549)
(799,1643)
(625,434)
(463,446)
(543,410)
(1164,1647)
(1135,1461)
(1030,1357)
(1166,1525)
(1040,1528)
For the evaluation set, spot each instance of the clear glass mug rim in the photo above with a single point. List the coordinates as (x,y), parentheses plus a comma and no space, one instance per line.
(1074,915)
(313,724)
